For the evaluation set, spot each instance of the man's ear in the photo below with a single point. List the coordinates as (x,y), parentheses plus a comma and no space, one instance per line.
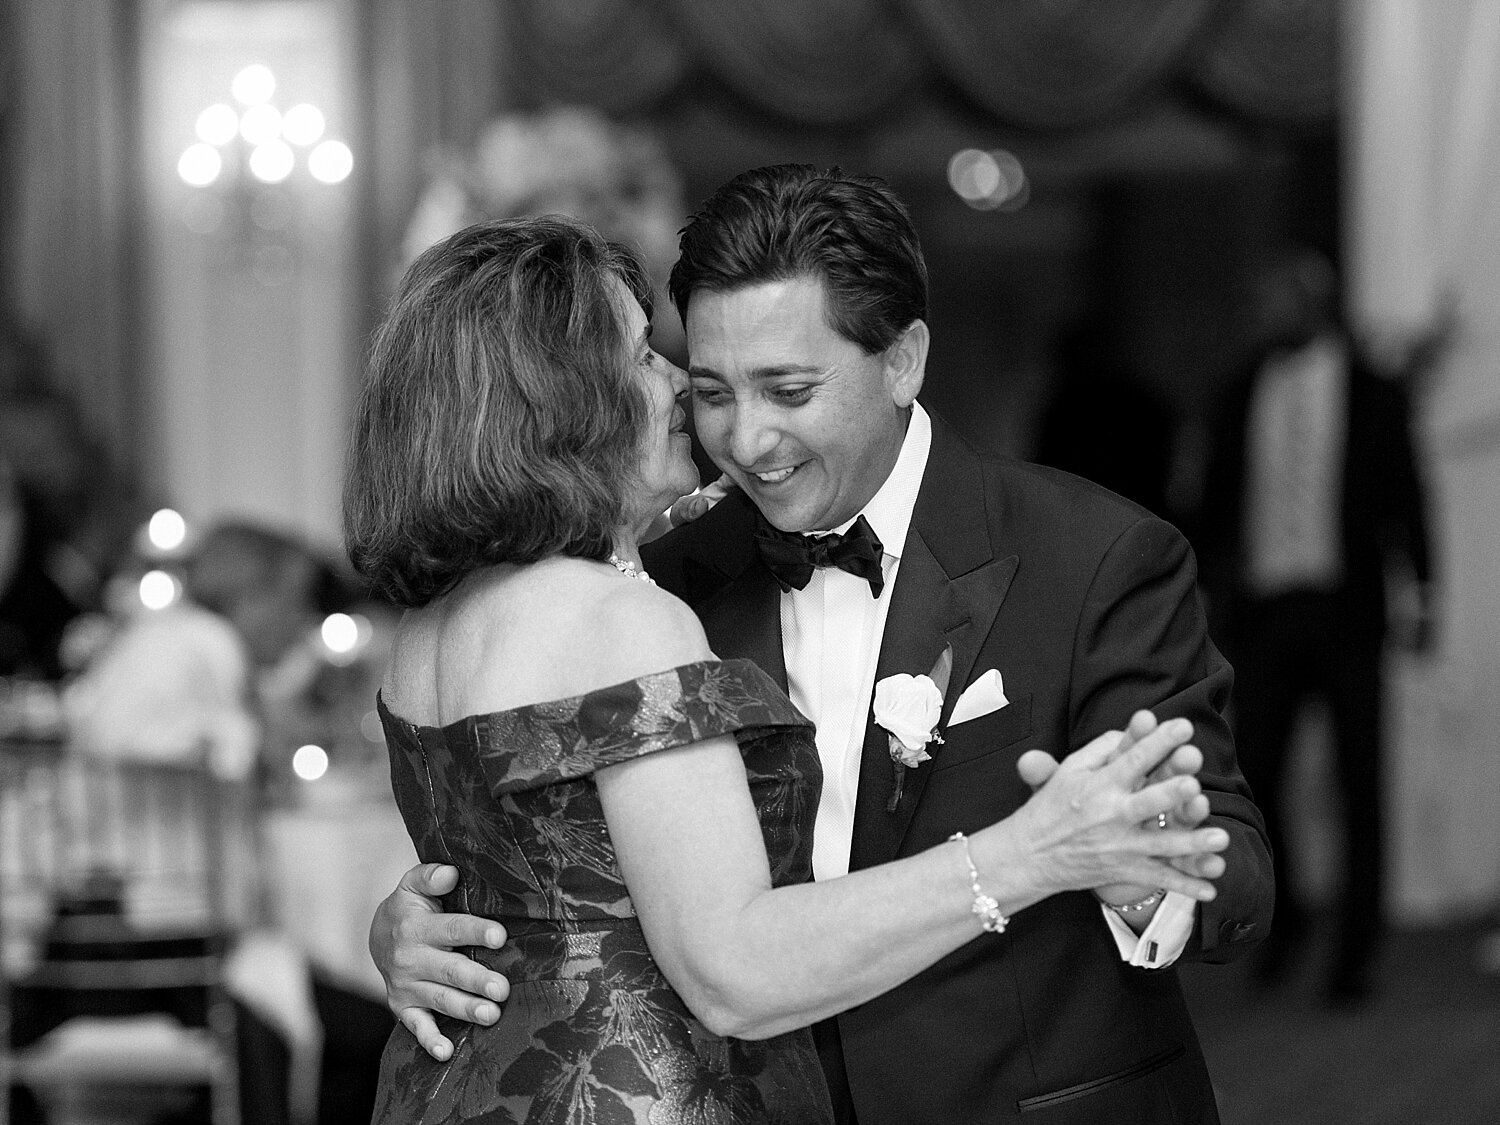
(906,364)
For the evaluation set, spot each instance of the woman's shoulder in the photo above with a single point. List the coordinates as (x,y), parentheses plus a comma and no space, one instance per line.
(619,630)
(556,630)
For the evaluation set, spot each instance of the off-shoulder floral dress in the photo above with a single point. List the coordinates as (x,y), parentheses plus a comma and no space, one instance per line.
(592,1031)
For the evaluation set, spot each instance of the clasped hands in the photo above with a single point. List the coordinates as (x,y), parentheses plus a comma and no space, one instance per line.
(1123,815)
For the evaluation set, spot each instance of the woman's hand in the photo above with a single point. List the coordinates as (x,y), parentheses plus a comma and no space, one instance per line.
(1036,766)
(1092,822)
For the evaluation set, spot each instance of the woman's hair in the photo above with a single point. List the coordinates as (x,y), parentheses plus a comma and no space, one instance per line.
(501,418)
(791,220)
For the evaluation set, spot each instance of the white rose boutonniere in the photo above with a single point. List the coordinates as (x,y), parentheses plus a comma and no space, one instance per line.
(907,708)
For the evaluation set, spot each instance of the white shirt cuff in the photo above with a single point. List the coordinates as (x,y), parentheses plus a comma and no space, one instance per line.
(1163,941)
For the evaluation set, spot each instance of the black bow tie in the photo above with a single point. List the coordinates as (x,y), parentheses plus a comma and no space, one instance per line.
(792,557)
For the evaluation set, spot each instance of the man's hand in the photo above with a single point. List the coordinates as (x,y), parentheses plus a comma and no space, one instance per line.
(413,945)
(688,508)
(697,504)
(1037,766)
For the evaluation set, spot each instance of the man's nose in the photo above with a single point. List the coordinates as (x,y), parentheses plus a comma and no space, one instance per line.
(752,436)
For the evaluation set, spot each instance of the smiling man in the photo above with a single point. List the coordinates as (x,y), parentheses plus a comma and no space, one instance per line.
(805,421)
(866,540)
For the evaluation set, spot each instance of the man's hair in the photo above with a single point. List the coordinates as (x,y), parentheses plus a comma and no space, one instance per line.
(501,418)
(791,220)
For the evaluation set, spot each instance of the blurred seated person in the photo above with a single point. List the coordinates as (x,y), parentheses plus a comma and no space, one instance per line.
(164,686)
(214,663)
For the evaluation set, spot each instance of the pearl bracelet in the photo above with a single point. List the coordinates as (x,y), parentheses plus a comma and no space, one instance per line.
(1140,904)
(985,906)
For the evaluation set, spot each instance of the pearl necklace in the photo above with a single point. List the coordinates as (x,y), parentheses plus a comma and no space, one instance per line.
(628,569)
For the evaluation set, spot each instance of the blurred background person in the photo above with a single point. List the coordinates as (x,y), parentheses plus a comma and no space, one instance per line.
(53,537)
(34,607)
(241,662)
(1316,503)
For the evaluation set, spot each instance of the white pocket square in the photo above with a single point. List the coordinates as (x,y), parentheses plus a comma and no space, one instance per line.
(980,698)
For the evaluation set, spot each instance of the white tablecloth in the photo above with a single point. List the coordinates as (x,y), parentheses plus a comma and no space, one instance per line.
(329,862)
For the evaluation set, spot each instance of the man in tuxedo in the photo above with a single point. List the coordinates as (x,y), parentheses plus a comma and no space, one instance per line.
(1049,608)
(1317,506)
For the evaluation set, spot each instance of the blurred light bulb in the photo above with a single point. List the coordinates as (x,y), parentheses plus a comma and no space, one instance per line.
(988,181)
(217,124)
(330,162)
(260,124)
(369,726)
(310,762)
(272,162)
(303,124)
(340,633)
(199,165)
(166,530)
(158,589)
(254,84)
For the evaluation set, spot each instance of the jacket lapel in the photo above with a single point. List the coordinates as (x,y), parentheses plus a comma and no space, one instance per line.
(743,620)
(735,596)
(948,590)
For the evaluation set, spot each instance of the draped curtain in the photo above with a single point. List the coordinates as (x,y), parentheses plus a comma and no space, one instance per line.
(10,102)
(834,63)
(66,130)
(619,55)
(1424,154)
(1050,65)
(1043,64)
(1272,60)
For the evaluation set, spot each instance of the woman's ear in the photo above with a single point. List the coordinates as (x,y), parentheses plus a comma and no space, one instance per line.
(906,364)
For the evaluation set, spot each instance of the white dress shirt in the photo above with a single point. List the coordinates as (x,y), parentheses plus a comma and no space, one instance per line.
(830,636)
(831,632)
(1295,441)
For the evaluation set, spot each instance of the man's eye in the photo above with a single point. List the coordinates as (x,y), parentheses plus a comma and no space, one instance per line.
(709,394)
(791,395)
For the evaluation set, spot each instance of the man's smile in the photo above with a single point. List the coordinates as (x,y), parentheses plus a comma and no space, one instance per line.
(775,476)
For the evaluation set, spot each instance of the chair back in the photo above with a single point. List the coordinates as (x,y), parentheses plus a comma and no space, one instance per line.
(122,883)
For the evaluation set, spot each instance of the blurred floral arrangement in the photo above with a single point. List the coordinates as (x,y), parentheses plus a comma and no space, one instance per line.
(565,160)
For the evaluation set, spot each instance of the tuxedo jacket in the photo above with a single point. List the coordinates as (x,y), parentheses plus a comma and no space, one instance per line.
(1087,605)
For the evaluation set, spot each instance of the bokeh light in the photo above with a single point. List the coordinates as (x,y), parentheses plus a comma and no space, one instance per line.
(340,632)
(369,726)
(217,124)
(261,124)
(310,762)
(166,530)
(272,162)
(254,84)
(989,181)
(199,165)
(302,124)
(158,589)
(330,162)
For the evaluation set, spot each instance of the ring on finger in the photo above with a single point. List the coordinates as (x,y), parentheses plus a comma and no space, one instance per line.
(1161,820)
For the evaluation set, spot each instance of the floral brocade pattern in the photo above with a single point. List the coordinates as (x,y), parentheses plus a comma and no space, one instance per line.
(593,1033)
